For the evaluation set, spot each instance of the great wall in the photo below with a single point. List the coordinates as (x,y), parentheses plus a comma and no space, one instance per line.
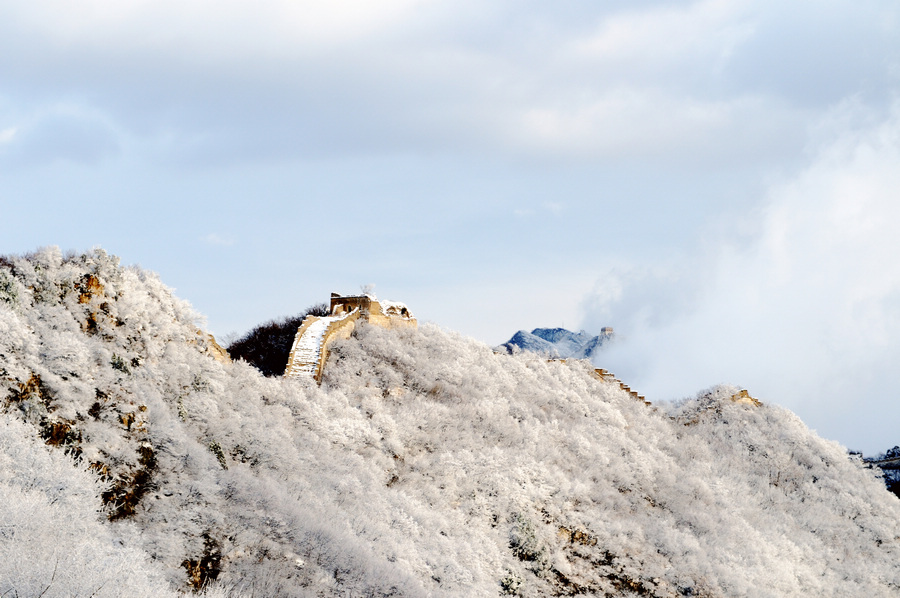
(315,335)
(609,377)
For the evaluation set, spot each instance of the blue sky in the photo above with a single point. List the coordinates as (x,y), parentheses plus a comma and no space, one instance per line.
(716,180)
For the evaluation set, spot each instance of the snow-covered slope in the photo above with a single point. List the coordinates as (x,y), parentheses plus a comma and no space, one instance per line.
(556,343)
(425,465)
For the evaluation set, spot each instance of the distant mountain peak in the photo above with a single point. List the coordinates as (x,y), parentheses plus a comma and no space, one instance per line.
(558,342)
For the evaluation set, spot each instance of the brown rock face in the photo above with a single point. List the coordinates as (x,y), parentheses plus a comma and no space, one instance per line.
(207,344)
(744,398)
(88,287)
(216,350)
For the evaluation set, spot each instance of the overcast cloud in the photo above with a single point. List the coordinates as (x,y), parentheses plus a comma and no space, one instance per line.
(714,179)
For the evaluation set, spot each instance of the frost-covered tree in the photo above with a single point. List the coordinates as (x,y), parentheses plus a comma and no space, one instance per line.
(267,346)
(425,465)
(52,538)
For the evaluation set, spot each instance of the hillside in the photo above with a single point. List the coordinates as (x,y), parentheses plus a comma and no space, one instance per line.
(137,463)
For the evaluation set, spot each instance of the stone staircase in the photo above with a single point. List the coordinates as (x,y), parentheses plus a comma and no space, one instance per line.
(310,348)
(607,376)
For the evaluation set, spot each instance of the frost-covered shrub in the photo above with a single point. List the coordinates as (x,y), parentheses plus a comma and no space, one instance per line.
(424,465)
(52,539)
(9,292)
(522,539)
(625,498)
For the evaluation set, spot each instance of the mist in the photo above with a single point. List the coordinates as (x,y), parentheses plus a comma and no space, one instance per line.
(798,300)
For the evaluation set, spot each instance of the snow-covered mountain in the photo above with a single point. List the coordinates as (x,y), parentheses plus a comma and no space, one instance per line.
(557,343)
(136,461)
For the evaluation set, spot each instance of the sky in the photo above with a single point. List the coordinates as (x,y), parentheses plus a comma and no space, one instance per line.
(718,181)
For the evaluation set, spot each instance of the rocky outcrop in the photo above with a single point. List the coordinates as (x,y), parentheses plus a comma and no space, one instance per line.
(207,343)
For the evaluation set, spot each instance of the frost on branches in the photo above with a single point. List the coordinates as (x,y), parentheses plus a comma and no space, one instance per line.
(134,463)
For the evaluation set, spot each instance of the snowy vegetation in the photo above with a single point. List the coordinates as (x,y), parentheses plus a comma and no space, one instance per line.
(268,346)
(134,463)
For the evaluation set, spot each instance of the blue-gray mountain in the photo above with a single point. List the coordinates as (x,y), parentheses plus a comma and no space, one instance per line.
(557,342)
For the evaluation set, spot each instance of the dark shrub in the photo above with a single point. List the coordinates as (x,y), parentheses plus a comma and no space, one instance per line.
(268,346)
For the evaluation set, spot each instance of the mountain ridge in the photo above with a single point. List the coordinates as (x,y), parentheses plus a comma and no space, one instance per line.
(558,343)
(425,465)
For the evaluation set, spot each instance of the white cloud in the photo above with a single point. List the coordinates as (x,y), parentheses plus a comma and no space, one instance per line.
(670,34)
(266,24)
(277,77)
(554,208)
(800,302)
(218,240)
(61,131)
(629,122)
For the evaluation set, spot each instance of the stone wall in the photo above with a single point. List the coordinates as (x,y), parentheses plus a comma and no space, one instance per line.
(345,312)
(339,329)
(391,322)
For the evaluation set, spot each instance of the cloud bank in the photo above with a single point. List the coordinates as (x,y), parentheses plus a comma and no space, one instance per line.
(225,82)
(799,301)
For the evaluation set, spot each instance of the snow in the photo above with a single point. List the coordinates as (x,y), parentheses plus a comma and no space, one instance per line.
(556,343)
(397,306)
(425,465)
(307,348)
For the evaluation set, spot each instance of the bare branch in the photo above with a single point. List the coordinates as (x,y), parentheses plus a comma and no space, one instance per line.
(52,577)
